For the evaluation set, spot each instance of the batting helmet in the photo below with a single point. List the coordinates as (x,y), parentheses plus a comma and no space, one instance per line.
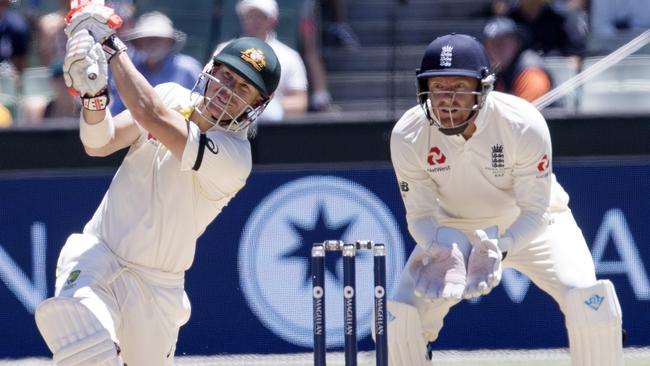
(454,55)
(256,62)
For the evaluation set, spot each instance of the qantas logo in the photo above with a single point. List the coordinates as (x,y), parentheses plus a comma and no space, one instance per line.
(436,156)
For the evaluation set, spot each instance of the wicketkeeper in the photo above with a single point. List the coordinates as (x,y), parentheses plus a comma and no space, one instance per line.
(474,167)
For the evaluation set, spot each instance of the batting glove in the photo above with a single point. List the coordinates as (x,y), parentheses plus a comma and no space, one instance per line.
(484,265)
(100,20)
(442,274)
(85,69)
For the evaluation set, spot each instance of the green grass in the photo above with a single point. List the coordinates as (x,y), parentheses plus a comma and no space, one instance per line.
(540,357)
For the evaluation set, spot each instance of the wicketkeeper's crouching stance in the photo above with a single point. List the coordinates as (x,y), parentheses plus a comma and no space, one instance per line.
(119,296)
(474,167)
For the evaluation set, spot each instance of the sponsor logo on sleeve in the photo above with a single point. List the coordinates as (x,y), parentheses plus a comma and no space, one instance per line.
(543,166)
(72,278)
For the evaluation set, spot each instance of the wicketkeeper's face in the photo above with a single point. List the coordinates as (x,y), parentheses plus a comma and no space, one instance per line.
(452,98)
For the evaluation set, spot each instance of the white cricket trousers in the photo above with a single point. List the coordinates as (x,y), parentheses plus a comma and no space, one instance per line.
(557,261)
(141,308)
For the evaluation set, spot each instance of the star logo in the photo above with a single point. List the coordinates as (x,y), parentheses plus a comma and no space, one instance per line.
(274,259)
(320,230)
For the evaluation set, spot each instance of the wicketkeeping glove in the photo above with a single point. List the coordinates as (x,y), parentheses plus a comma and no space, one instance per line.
(85,69)
(100,20)
(484,265)
(442,273)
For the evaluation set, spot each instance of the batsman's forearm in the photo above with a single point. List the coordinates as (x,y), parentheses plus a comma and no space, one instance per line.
(147,108)
(138,95)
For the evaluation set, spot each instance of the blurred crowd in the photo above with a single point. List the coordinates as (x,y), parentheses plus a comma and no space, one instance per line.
(518,34)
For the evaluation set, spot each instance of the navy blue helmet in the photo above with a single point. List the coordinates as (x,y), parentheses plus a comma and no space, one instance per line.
(454,55)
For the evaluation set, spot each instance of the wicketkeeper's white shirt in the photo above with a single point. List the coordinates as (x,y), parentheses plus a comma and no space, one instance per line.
(501,176)
(157,206)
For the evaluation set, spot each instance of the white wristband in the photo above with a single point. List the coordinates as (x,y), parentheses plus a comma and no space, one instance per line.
(96,135)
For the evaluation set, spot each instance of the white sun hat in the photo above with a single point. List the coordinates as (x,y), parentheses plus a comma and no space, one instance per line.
(268,7)
(155,24)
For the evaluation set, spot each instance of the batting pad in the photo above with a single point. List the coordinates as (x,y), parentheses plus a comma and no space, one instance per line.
(406,346)
(593,320)
(74,335)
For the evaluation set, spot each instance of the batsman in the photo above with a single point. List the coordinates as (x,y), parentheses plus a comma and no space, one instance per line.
(475,171)
(119,294)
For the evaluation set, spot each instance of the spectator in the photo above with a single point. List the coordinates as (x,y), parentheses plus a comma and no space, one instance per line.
(337,28)
(155,45)
(5,117)
(14,36)
(553,32)
(258,19)
(495,8)
(519,70)
(50,36)
(51,50)
(126,10)
(61,104)
(609,17)
(319,99)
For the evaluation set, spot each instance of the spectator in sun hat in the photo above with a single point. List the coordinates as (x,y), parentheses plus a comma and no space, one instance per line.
(259,18)
(154,48)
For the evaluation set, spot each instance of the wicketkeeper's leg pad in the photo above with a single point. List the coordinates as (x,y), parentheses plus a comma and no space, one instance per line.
(406,344)
(74,335)
(594,321)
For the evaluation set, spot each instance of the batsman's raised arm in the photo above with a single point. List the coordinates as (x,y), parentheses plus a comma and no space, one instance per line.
(100,133)
(146,107)
(98,23)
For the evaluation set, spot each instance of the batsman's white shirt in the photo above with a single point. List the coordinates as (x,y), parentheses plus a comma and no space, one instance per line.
(500,176)
(157,206)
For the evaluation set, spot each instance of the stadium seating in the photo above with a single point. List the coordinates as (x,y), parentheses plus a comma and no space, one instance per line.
(623,88)
(561,70)
(393,35)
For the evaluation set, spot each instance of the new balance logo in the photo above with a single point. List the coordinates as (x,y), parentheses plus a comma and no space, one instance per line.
(594,301)
(391,317)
